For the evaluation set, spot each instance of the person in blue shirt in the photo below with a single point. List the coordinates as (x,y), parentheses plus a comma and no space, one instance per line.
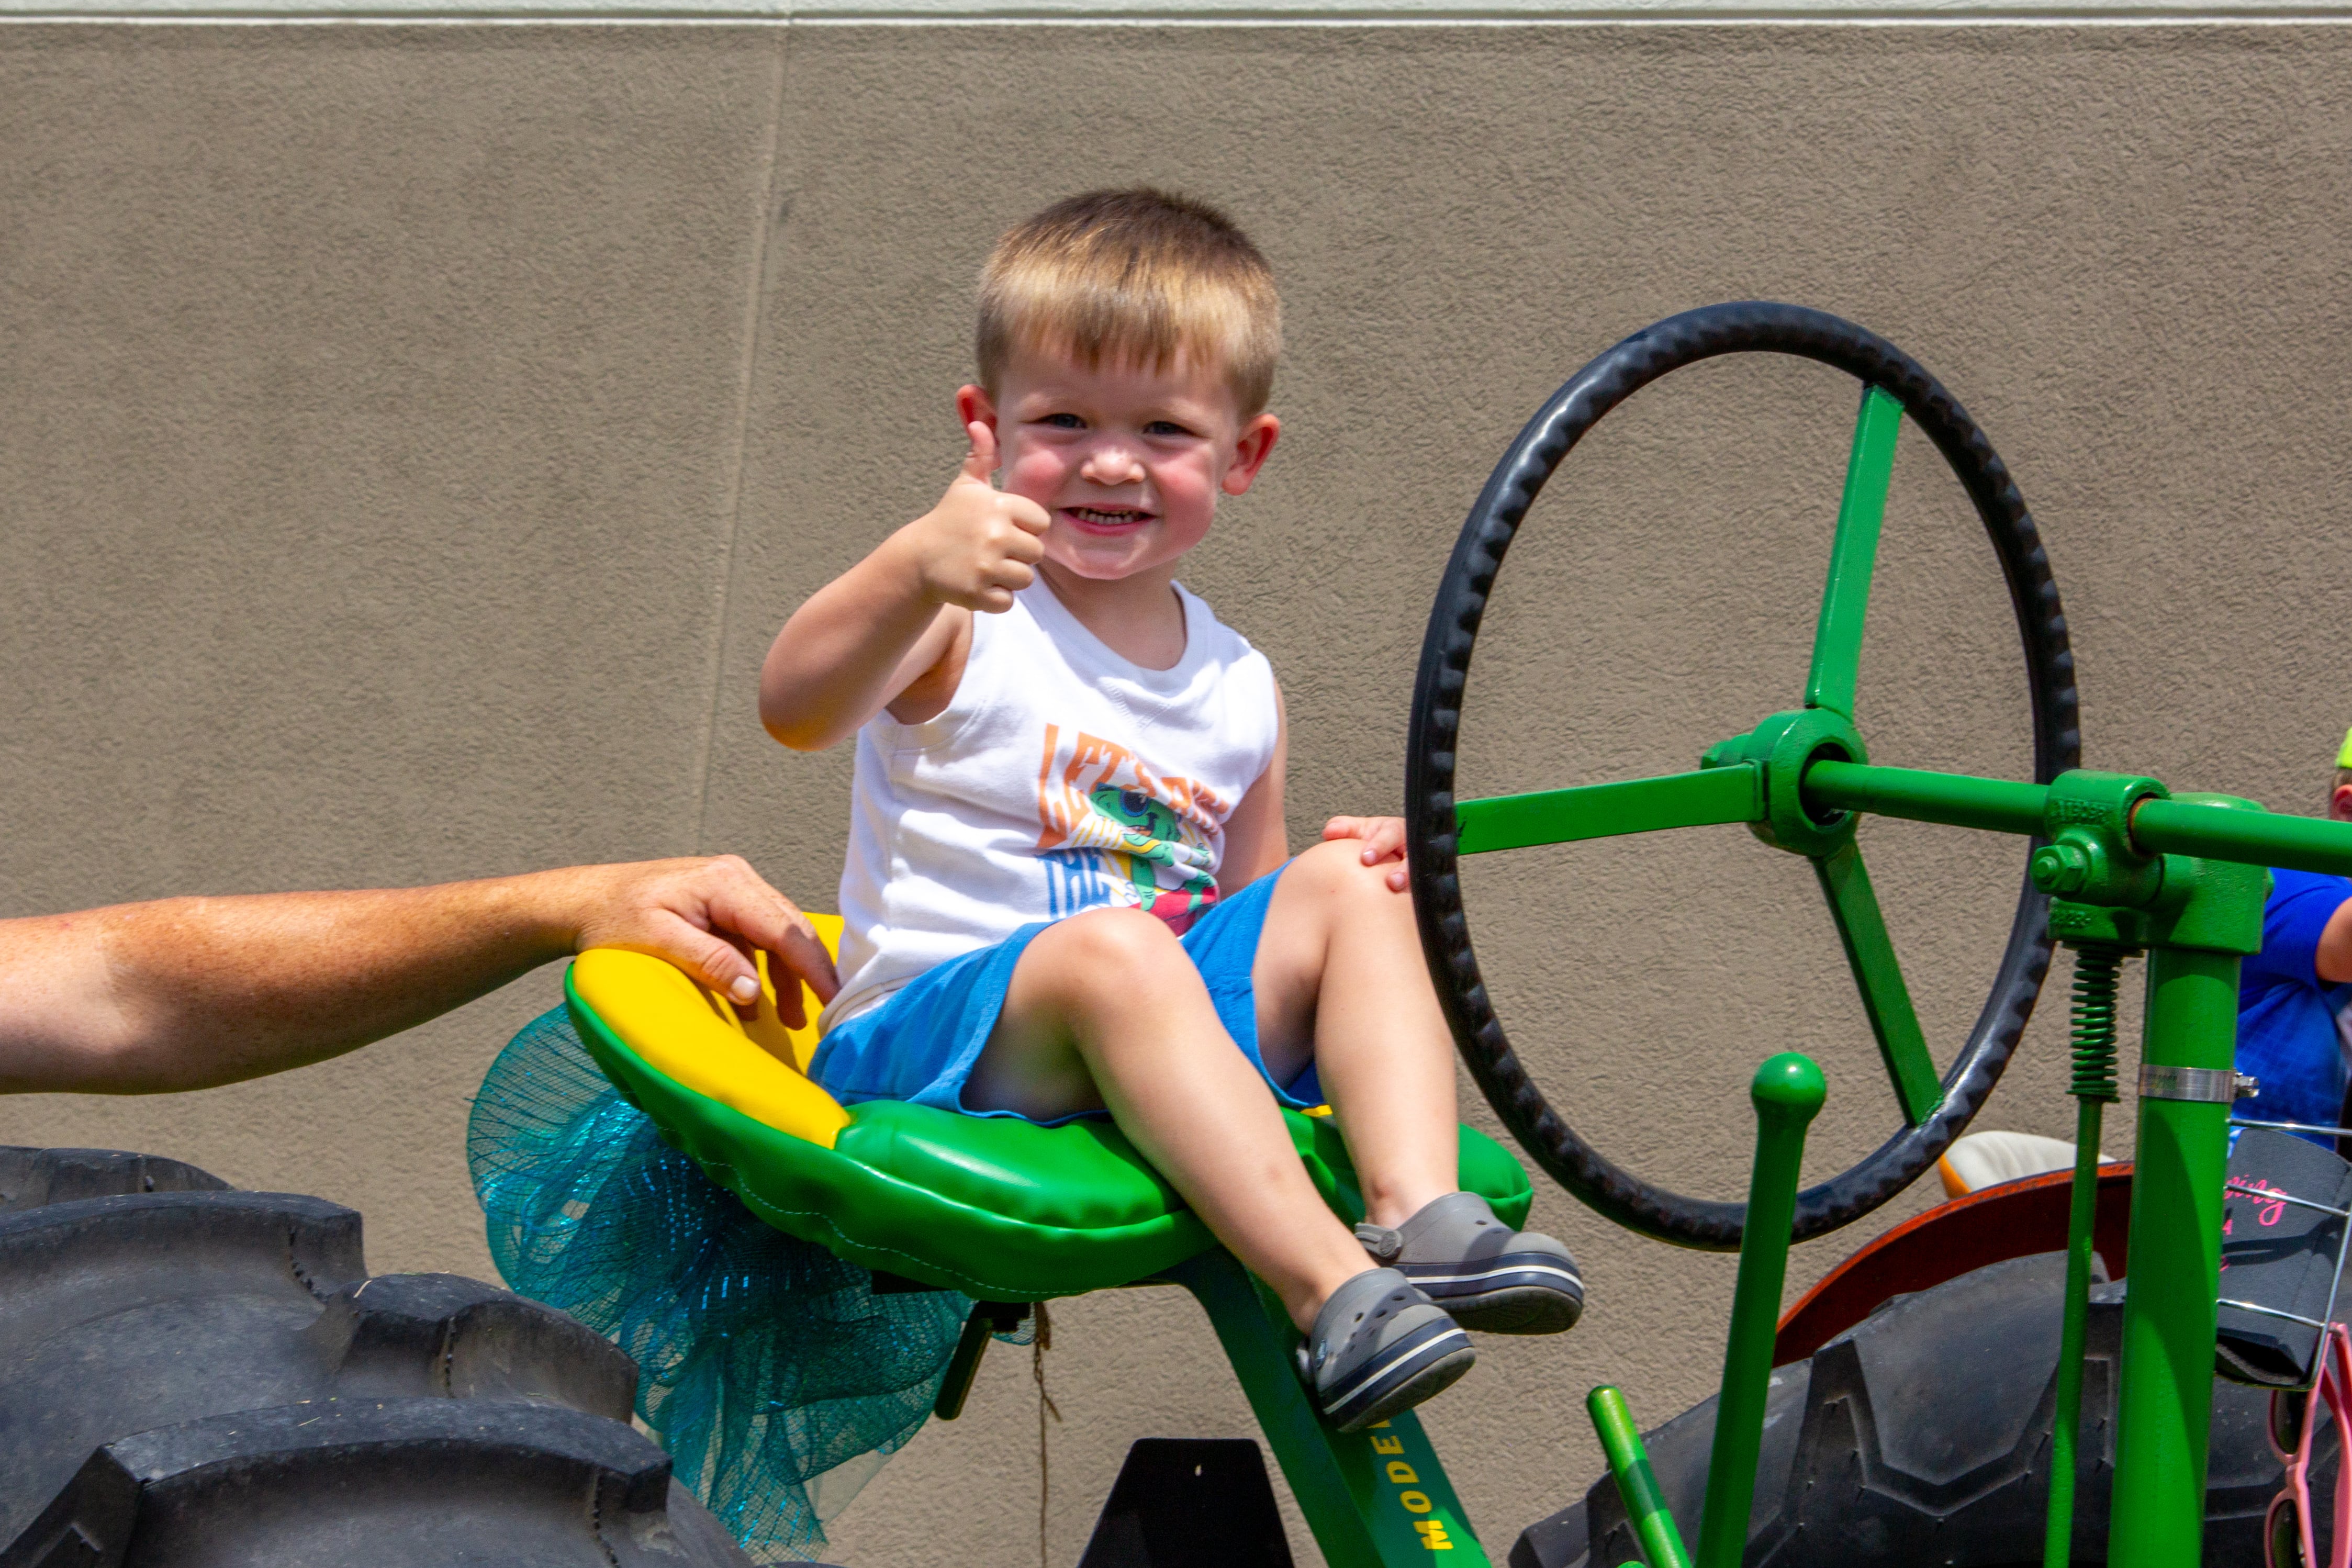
(2291,994)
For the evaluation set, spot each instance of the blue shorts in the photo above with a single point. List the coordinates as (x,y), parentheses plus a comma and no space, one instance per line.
(921,1044)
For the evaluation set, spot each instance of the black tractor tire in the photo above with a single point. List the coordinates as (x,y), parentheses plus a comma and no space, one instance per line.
(393,1483)
(191,1374)
(32,1178)
(1922,1437)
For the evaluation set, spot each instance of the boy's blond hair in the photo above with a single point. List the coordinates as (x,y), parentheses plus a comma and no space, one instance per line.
(1138,277)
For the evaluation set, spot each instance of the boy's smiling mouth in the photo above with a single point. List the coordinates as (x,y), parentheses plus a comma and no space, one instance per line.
(1105,519)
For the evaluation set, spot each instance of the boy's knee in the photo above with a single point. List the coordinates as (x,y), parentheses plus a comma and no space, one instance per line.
(1336,869)
(1120,945)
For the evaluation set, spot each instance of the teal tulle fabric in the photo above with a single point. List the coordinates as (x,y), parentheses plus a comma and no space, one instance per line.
(769,1368)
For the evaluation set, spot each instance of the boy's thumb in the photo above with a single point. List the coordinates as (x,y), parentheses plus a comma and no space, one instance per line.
(981,461)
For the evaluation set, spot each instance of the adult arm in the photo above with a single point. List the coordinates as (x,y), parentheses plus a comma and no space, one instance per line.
(2333,959)
(2306,933)
(191,992)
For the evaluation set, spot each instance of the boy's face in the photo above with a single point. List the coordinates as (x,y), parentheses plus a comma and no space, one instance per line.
(1128,462)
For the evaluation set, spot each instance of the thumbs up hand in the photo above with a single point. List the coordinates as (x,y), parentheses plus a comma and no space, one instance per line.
(980,545)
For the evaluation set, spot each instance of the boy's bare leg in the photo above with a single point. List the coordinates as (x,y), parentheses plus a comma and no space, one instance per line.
(1340,980)
(1105,1011)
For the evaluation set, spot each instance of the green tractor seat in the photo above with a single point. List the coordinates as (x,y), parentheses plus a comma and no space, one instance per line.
(996,1207)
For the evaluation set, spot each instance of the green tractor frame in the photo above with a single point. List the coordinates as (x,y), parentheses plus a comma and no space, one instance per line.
(2118,866)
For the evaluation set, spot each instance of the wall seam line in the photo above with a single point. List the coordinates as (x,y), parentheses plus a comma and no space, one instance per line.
(489,16)
(755,317)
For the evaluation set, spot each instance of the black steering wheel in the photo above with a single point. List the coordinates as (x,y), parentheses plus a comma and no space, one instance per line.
(1751,778)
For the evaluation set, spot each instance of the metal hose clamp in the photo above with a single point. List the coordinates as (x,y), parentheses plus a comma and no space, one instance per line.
(2208,1085)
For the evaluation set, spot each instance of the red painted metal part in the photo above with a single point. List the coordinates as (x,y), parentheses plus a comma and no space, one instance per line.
(2011,1220)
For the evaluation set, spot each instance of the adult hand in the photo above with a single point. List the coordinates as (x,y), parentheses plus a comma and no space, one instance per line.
(194,992)
(705,916)
(979,546)
(1383,839)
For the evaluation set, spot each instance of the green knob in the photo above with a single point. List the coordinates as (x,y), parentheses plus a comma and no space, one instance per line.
(2060,868)
(1789,1089)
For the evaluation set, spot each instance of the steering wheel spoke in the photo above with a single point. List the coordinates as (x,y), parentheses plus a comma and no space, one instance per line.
(1711,795)
(1853,555)
(1878,975)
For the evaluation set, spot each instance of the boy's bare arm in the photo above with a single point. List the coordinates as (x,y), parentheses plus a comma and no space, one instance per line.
(851,649)
(1256,843)
(1383,839)
(1257,839)
(190,993)
(902,613)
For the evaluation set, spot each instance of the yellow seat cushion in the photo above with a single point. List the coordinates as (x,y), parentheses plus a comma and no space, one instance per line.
(993,1206)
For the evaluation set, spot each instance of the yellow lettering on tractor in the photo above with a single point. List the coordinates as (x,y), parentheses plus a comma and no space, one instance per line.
(1431,1531)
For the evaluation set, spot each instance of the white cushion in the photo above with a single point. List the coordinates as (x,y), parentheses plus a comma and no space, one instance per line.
(1984,1159)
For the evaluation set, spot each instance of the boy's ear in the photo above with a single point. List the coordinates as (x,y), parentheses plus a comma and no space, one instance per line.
(974,404)
(1250,449)
(2340,803)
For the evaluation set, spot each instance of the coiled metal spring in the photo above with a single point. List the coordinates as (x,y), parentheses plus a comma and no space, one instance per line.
(2098,977)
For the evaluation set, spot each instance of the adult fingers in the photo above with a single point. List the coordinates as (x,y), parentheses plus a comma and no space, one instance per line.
(706,956)
(805,961)
(707,917)
(741,903)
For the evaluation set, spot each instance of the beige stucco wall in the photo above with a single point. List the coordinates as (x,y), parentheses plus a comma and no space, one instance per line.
(410,438)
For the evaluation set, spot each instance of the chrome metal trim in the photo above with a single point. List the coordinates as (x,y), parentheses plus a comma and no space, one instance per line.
(2203,1086)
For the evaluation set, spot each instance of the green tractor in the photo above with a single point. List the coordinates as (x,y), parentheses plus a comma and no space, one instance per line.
(2023,1375)
(2117,865)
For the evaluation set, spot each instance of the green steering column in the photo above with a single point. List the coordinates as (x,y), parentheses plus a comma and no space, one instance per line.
(2181,1162)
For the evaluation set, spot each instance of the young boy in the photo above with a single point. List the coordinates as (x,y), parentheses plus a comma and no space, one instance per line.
(1067,890)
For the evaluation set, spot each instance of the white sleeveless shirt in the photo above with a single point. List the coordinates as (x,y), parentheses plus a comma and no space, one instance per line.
(1061,777)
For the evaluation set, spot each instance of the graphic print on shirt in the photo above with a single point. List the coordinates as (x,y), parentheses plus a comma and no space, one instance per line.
(1112,831)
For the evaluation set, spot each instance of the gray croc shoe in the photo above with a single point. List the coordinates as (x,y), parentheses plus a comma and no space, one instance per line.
(1377,1347)
(1488,1277)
